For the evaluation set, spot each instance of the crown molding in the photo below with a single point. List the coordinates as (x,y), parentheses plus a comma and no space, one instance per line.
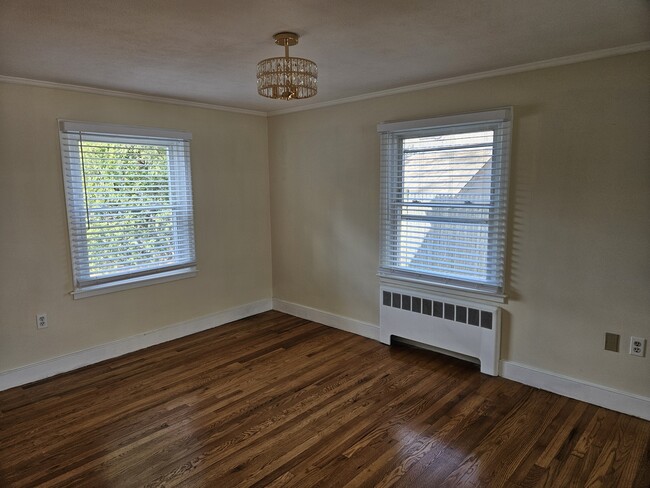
(520,68)
(122,94)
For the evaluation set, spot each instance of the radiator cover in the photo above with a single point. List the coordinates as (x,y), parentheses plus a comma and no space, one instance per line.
(451,324)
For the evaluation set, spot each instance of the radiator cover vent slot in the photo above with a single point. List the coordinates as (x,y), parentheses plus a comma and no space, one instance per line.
(426,306)
(452,324)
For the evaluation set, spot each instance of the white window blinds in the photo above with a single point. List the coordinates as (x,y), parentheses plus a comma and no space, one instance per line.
(129,200)
(444,199)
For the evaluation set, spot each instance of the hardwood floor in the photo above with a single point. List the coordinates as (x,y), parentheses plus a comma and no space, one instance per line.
(274,400)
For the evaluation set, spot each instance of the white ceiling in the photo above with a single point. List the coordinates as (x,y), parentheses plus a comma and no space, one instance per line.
(207,50)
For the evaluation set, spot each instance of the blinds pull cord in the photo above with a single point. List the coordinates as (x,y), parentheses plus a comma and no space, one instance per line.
(83,172)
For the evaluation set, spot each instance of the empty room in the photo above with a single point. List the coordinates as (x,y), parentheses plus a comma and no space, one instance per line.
(325,243)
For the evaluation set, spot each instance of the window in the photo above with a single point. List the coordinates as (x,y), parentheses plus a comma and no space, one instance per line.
(444,200)
(129,200)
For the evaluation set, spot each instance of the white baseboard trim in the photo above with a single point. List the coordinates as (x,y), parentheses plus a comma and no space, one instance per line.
(68,362)
(602,396)
(347,324)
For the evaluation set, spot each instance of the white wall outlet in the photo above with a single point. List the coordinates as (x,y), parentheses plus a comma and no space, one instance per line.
(41,321)
(637,346)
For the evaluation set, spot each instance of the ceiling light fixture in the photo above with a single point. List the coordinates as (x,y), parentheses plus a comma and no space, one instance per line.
(286,78)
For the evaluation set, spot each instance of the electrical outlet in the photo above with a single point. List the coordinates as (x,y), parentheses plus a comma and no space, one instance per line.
(41,321)
(637,346)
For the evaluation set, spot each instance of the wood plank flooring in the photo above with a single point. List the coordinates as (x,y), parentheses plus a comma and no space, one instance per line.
(274,400)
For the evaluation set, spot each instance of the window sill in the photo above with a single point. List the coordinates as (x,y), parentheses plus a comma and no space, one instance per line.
(91,291)
(440,289)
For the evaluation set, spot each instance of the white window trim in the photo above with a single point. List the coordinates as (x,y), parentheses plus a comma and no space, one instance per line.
(438,288)
(128,282)
(498,115)
(128,130)
(390,276)
(104,288)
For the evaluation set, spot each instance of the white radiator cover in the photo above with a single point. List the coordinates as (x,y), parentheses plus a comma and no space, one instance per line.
(456,325)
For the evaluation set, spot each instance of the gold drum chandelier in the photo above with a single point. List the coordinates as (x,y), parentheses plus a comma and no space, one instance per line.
(286,78)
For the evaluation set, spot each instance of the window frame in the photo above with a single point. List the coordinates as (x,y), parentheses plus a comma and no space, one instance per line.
(179,173)
(392,158)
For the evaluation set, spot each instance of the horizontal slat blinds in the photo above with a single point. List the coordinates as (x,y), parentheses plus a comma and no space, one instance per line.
(129,201)
(444,199)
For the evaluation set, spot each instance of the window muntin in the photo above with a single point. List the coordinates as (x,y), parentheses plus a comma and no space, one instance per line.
(444,201)
(129,203)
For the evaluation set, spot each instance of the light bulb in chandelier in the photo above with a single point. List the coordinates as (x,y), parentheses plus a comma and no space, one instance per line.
(287,78)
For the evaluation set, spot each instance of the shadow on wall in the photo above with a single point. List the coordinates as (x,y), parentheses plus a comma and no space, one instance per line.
(506,327)
(526,133)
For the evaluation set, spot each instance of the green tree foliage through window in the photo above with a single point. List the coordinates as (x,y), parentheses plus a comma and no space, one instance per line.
(129,215)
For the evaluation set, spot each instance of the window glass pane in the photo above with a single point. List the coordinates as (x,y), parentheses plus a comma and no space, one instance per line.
(454,250)
(446,179)
(448,168)
(130,218)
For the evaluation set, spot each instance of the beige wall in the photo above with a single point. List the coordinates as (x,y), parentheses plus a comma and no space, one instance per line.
(231,203)
(580,210)
(579,233)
